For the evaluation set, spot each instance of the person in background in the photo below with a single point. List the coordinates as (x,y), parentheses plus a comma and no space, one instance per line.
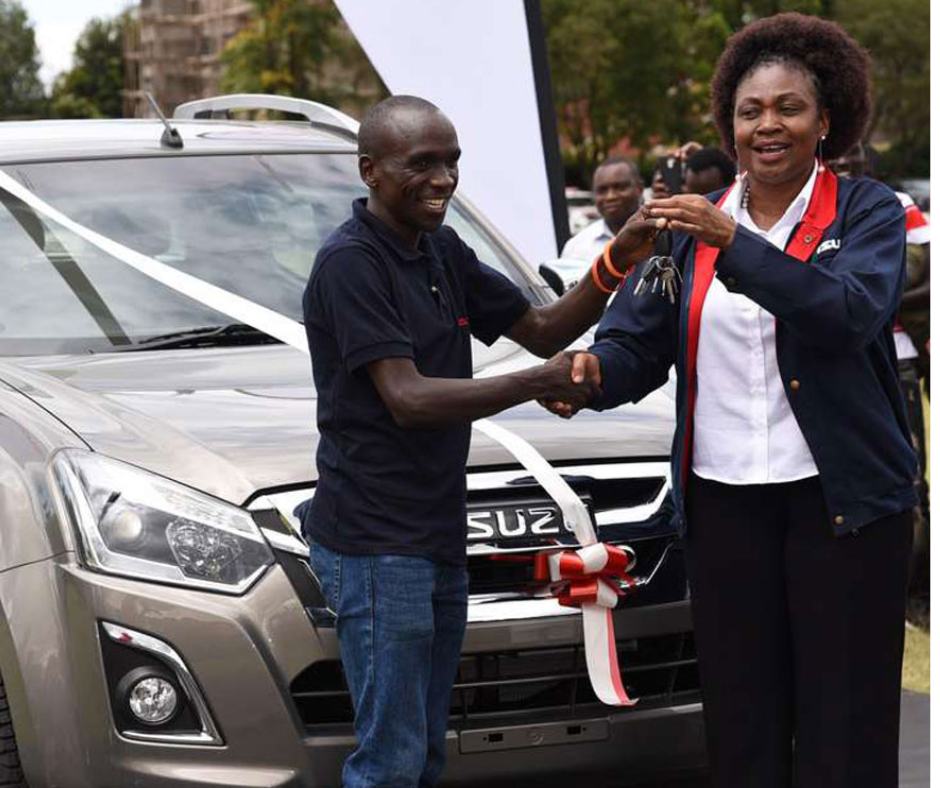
(793,470)
(708,170)
(912,330)
(659,189)
(617,187)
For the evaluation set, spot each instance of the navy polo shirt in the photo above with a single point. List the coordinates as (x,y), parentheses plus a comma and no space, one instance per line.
(381,488)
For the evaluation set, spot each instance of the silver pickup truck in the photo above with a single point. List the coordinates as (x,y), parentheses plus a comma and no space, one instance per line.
(159,622)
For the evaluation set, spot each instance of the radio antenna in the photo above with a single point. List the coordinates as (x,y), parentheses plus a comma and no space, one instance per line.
(171,137)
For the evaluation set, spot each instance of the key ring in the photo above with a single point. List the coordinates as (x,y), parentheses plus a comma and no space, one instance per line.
(660,271)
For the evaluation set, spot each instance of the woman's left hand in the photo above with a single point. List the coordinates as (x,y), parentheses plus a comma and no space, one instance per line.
(694,214)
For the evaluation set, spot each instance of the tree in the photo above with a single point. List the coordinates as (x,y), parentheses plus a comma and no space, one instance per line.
(623,69)
(92,88)
(897,34)
(640,71)
(21,92)
(299,48)
(738,13)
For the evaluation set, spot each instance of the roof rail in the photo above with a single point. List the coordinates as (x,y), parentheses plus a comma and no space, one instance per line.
(317,114)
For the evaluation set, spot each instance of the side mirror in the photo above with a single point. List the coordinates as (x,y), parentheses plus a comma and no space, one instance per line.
(552,279)
(564,273)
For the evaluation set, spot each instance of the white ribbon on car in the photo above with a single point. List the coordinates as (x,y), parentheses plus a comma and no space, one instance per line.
(599,640)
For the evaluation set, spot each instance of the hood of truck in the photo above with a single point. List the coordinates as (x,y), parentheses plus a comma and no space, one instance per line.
(236,421)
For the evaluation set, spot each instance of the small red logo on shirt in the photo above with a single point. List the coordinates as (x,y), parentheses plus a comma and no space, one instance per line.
(463,322)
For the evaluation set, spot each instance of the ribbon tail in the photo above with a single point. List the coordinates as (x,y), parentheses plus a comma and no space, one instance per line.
(600,647)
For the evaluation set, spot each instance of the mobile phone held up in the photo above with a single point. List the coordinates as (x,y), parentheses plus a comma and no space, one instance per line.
(672,170)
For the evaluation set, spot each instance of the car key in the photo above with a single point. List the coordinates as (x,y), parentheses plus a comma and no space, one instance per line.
(660,271)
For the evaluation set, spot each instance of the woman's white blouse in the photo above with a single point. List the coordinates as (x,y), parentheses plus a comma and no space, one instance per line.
(745,431)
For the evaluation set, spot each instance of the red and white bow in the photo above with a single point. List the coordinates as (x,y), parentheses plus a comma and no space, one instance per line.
(593,578)
(587,576)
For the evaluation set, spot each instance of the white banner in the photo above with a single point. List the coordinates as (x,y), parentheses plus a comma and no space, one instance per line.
(472,59)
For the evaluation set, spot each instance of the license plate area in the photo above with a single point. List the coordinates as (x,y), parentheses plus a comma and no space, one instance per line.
(529,522)
(546,734)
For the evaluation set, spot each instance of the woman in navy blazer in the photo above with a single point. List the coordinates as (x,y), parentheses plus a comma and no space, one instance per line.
(792,466)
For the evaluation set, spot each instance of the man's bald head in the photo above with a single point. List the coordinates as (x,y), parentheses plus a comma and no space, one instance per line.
(408,154)
(391,117)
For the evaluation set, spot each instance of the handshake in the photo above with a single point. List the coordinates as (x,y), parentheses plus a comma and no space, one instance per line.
(570,379)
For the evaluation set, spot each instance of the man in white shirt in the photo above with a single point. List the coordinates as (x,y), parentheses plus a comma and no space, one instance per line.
(617,190)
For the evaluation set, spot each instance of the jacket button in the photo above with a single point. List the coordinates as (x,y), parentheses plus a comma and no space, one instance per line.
(855,532)
(732,282)
(807,239)
(794,385)
(838,519)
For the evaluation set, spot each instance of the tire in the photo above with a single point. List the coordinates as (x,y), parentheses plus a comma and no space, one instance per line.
(11,773)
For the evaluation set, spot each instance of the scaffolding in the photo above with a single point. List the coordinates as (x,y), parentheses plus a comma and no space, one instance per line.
(172,49)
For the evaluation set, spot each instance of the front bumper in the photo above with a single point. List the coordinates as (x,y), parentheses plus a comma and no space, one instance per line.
(246,652)
(661,735)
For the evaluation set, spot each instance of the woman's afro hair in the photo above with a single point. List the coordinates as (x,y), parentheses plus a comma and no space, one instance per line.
(837,64)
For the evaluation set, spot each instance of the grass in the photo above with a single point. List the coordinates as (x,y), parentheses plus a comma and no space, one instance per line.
(916,673)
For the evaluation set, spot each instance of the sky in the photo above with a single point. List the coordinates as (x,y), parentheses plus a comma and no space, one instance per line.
(58,24)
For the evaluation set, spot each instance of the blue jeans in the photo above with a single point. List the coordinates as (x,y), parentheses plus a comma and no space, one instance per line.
(400,622)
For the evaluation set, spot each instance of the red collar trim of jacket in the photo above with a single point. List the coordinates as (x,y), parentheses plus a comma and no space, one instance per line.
(807,236)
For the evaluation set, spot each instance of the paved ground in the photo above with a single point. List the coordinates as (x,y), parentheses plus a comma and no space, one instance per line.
(915,752)
(915,740)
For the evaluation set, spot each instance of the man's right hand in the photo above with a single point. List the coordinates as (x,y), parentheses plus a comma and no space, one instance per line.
(585,371)
(635,240)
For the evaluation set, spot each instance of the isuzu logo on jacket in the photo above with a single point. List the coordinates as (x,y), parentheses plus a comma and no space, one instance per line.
(825,246)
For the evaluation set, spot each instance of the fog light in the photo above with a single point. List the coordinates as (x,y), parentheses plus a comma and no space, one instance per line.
(153,700)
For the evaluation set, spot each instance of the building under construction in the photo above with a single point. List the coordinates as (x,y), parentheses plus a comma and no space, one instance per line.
(174,50)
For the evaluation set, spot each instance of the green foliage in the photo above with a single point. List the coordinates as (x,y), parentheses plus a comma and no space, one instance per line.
(634,72)
(626,69)
(897,34)
(92,88)
(68,106)
(21,93)
(298,48)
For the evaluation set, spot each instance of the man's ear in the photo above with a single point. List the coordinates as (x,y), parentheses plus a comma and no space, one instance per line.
(367,171)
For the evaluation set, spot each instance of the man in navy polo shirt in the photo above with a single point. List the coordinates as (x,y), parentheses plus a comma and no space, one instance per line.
(391,305)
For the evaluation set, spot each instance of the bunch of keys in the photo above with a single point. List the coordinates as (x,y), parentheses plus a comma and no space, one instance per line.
(660,271)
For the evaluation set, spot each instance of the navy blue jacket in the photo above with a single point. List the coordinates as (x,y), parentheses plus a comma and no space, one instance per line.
(835,347)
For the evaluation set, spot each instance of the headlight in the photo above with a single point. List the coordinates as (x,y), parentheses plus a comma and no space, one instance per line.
(137,524)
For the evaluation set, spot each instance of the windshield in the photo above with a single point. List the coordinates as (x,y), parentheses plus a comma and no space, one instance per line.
(250,224)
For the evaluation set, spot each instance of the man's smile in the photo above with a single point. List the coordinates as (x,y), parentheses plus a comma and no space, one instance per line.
(436,204)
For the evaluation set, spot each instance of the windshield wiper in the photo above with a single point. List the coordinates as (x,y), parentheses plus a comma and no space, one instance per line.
(206,336)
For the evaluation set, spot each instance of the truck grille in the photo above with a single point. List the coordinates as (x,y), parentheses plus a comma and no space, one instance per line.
(629,501)
(531,683)
(630,504)
(495,575)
